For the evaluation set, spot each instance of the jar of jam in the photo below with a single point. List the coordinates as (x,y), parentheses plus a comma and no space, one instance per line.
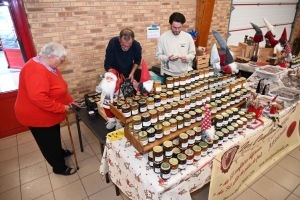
(191,137)
(192,102)
(187,104)
(164,90)
(153,116)
(157,153)
(201,73)
(156,166)
(181,161)
(237,97)
(220,135)
(157,86)
(193,116)
(168,148)
(198,115)
(137,123)
(198,100)
(224,103)
(225,131)
(187,79)
(142,105)
(181,106)
(186,120)
(174,109)
(150,103)
(150,158)
(240,126)
(158,131)
(203,146)
(189,156)
(183,141)
(179,122)
(166,128)
(245,121)
(119,105)
(214,107)
(157,101)
(150,134)
(218,92)
(146,119)
(209,145)
(201,85)
(211,83)
(235,113)
(182,80)
(244,92)
(236,127)
(169,96)
(230,132)
(197,152)
(215,142)
(176,151)
(206,72)
(169,82)
(161,113)
(205,84)
(182,93)
(249,118)
(210,72)
(198,134)
(173,125)
(168,111)
(192,74)
(188,91)
(219,122)
(174,165)
(176,81)
(225,119)
(176,95)
(126,110)
(163,98)
(193,89)
(219,105)
(130,128)
(134,108)
(203,97)
(228,98)
(213,93)
(230,116)
(143,138)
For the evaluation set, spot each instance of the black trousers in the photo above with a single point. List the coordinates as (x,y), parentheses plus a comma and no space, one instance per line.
(48,140)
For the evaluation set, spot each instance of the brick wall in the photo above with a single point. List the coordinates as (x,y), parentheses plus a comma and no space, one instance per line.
(296,31)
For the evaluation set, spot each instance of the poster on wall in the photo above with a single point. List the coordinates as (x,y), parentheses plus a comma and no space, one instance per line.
(238,166)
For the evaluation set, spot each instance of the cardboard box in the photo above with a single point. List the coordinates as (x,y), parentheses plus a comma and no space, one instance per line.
(263,54)
(247,50)
(202,61)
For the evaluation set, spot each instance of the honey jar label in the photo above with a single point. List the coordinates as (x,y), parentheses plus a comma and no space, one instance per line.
(170,100)
(203,153)
(189,162)
(187,107)
(198,137)
(187,95)
(173,129)
(161,117)
(176,83)
(150,107)
(168,153)
(147,123)
(198,103)
(165,176)
(182,166)
(174,171)
(230,136)
(191,141)
(198,119)
(135,112)
(197,78)
(184,145)
(193,120)
(182,96)
(169,85)
(158,89)
(143,109)
(157,104)
(201,76)
(174,112)
(193,105)
(164,102)
(213,96)
(181,109)
(167,132)
(168,115)
(176,98)
(154,120)
(219,124)
(197,157)
(223,106)
(158,159)
(188,81)
(158,136)
(137,127)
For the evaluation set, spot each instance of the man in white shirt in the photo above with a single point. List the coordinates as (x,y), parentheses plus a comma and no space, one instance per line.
(175,48)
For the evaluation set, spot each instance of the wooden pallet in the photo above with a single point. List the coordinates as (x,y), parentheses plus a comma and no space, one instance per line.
(144,149)
(202,61)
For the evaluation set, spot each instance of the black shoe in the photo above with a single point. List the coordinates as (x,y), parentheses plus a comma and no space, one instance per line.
(68,172)
(67,153)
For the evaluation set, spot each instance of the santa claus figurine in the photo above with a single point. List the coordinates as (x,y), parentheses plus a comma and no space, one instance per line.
(109,87)
(274,107)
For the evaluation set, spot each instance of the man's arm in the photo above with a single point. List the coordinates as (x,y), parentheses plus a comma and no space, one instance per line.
(137,61)
(160,53)
(109,57)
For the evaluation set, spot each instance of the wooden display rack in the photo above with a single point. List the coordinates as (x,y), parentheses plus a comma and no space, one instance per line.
(202,61)
(144,149)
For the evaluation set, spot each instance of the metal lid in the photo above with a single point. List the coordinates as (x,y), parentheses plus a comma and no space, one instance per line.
(181,102)
(173,121)
(160,109)
(181,156)
(173,161)
(176,91)
(153,112)
(157,81)
(234,109)
(157,149)
(192,112)
(176,77)
(203,144)
(189,152)
(169,93)
(125,106)
(150,99)
(137,118)
(167,106)
(230,128)
(169,78)
(224,114)
(219,134)
(241,113)
(179,118)
(219,117)
(188,88)
(174,104)
(209,141)
(166,123)
(229,112)
(193,97)
(218,101)
(243,119)
(181,89)
(186,116)
(142,134)
(239,122)
(234,125)
(183,136)
(225,130)
(198,95)
(158,127)
(150,154)
(142,101)
(216,137)
(156,96)
(187,100)
(196,148)
(190,132)
(249,116)
(168,143)
(198,110)
(197,129)
(176,150)
(145,114)
(150,130)
(163,94)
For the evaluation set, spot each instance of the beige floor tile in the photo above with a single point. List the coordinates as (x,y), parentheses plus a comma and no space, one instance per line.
(13,194)
(269,189)
(292,197)
(28,147)
(284,178)
(23,138)
(9,166)
(76,143)
(96,147)
(107,193)
(65,133)
(49,168)
(33,172)
(72,191)
(87,153)
(291,164)
(93,183)
(49,196)
(31,159)
(9,181)
(202,193)
(8,137)
(296,153)
(99,156)
(8,143)
(88,166)
(124,196)
(249,194)
(8,154)
(58,181)
(90,137)
(297,191)
(36,188)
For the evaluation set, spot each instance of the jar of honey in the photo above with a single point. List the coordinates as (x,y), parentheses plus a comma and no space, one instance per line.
(163,98)
(157,86)
(206,72)
(220,135)
(230,116)
(197,152)
(249,118)
(198,99)
(181,106)
(169,96)
(176,95)
(201,73)
(134,108)
(189,156)
(150,103)
(219,121)
(192,75)
(210,71)
(157,101)
(245,121)
(181,161)
(198,134)
(215,142)
(174,165)
(174,109)
(186,120)
(182,80)
(192,102)
(170,82)
(156,166)
(209,145)
(219,105)
(183,141)
(187,104)
(235,113)
(205,84)
(198,114)
(119,105)
(142,105)
(153,116)
(173,125)
(196,75)
(201,85)
(236,127)
(225,119)
(166,128)
(179,122)
(136,98)
(188,91)
(168,111)
(193,89)
(143,138)
(146,119)
(193,116)
(182,93)
(150,158)
(176,81)
(151,134)
(157,153)
(231,132)
(204,97)
(176,150)
(203,146)
(187,79)
(168,148)
(161,113)
(225,132)
(240,126)
(137,123)
(191,137)
(158,131)
(126,110)
(224,103)
(211,83)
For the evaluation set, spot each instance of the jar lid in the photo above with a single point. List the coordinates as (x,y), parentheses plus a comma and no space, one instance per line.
(158,127)
(209,141)
(181,102)
(243,119)
(182,76)
(142,134)
(169,93)
(145,115)
(225,130)
(160,109)
(223,99)
(173,121)
(229,112)
(150,99)
(230,128)
(167,106)
(213,89)
(193,98)
(198,95)
(190,132)
(150,154)
(176,91)
(198,110)
(219,134)
(181,156)
(192,113)
(197,84)
(203,144)
(200,82)
(234,109)
(239,122)
(153,112)
(134,103)
(168,144)
(196,148)
(179,118)
(125,106)
(213,103)
(235,125)
(187,100)
(176,77)
(157,81)
(174,104)
(142,101)
(188,88)
(150,130)
(197,129)
(166,123)
(218,101)
(156,96)
(170,78)
(183,136)
(216,137)
(189,152)
(173,161)
(157,149)
(181,89)
(225,114)
(176,150)
(249,116)
(220,117)
(163,94)
(137,118)
(186,116)
(121,102)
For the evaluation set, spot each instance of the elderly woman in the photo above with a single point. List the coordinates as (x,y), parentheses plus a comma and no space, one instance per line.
(42,101)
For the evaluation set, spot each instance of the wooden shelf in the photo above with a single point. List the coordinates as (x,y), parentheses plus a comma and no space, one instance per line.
(144,149)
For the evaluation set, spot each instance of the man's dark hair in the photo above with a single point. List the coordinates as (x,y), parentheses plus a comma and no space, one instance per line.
(127,34)
(177,17)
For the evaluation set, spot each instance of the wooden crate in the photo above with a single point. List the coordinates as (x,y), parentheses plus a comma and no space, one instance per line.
(263,54)
(202,61)
(144,149)
(237,51)
(101,110)
(247,50)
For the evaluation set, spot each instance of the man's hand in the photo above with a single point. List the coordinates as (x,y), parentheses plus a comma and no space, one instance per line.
(183,59)
(173,58)
(131,77)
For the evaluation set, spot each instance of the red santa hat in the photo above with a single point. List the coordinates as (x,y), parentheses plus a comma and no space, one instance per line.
(206,124)
(114,74)
(283,35)
(271,39)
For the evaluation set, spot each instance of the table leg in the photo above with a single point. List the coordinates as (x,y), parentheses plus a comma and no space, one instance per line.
(107,178)
(117,190)
(79,132)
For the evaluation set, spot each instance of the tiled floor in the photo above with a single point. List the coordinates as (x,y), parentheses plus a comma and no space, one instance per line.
(24,173)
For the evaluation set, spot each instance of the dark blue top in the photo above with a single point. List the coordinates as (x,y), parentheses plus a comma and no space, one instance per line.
(120,60)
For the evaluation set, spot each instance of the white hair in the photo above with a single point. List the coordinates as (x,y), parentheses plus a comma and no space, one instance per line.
(53,48)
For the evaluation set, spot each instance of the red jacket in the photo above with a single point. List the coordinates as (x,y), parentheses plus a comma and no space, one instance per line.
(42,96)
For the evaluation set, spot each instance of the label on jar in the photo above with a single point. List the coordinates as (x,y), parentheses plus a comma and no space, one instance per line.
(188,81)
(173,129)
(127,114)
(203,100)
(174,112)
(187,123)
(240,130)
(225,123)
(189,162)
(159,158)
(153,120)
(225,139)
(201,76)
(182,166)
(187,107)
(220,142)
(198,119)
(144,142)
(176,98)
(188,95)
(158,89)
(232,102)
(203,153)
(245,126)
(167,132)
(184,145)
(223,92)
(158,135)
(168,153)
(207,98)
(151,139)
(135,112)
(228,104)
(211,73)
(180,126)
(227,91)
(170,100)
(230,136)
(163,102)
(168,115)
(198,103)
(197,78)
(205,87)
(223,106)
(191,141)
(213,96)
(197,157)
(157,170)
(229,119)
(235,133)
(235,116)
(176,83)
(193,120)
(198,137)
(157,104)
(143,109)
(237,100)
(150,163)
(165,176)
(147,123)
(150,107)
(215,146)
(209,149)
(206,75)
(169,85)
(218,108)
(213,111)
(174,171)
(197,91)
(219,124)
(161,117)
(182,82)
(193,105)
(181,109)
(219,94)
(137,126)
(182,96)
